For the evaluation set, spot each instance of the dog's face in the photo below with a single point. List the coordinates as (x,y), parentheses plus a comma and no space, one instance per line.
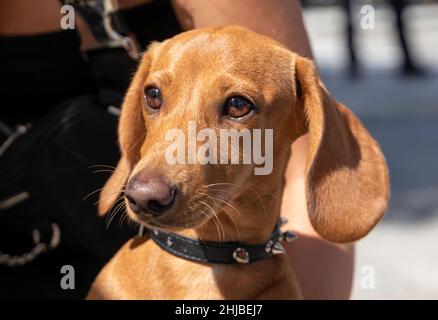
(177,174)
(208,81)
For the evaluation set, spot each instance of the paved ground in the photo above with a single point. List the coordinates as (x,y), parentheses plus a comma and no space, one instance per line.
(402,113)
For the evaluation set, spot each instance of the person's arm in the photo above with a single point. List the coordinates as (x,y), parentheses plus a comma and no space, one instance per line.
(324,269)
(279,19)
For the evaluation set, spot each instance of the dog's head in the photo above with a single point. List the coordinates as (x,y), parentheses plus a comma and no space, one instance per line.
(174,174)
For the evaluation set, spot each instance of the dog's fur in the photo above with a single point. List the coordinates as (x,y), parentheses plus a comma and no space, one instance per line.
(347,181)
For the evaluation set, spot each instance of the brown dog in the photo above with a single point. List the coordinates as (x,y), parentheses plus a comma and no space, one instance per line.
(193,77)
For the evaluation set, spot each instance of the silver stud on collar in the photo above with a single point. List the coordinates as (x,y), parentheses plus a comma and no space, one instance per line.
(288,236)
(277,248)
(241,255)
(283,221)
(155,231)
(269,245)
(169,241)
(274,247)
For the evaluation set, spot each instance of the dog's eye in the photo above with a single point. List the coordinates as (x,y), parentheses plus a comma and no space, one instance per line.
(237,107)
(152,97)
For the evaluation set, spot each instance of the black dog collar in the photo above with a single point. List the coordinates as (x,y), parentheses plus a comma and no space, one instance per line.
(221,252)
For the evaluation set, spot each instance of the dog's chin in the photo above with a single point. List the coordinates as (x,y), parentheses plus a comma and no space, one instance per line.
(168,222)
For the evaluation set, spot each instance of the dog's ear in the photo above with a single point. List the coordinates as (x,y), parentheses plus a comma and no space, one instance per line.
(347,179)
(132,132)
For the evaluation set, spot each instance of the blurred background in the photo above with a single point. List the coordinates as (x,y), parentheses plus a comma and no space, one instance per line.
(396,95)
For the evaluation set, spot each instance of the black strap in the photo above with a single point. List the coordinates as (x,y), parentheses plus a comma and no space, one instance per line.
(220,252)
(107,24)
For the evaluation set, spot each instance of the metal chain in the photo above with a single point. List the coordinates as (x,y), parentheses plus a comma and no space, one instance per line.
(128,42)
(38,249)
(20,130)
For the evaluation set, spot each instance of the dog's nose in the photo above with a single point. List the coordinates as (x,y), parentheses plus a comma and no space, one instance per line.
(149,195)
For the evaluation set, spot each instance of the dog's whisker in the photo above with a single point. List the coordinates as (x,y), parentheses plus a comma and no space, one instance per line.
(229,203)
(131,223)
(230,215)
(220,183)
(107,168)
(202,229)
(137,141)
(114,204)
(128,221)
(103,170)
(252,186)
(91,193)
(255,188)
(123,218)
(225,192)
(192,208)
(213,187)
(113,214)
(220,190)
(215,217)
(110,218)
(114,208)
(110,195)
(261,201)
(101,165)
(211,215)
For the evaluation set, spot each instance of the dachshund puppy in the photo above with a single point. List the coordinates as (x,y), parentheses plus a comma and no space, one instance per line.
(227,78)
